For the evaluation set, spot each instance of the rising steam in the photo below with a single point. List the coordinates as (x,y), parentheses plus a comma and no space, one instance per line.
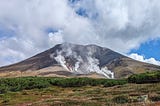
(78,64)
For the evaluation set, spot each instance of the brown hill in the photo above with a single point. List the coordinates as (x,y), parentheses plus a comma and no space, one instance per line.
(45,63)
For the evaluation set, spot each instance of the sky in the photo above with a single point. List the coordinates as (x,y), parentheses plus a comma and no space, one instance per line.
(130,27)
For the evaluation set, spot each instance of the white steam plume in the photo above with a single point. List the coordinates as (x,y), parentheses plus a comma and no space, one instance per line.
(61,60)
(89,64)
(93,67)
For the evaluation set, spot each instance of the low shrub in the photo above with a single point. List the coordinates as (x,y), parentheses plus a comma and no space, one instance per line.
(120,99)
(26,83)
(3,88)
(149,77)
(111,83)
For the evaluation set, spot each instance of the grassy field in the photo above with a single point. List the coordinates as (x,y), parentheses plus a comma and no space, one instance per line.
(137,90)
(127,95)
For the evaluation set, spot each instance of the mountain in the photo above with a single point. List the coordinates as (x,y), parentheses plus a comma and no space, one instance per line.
(72,60)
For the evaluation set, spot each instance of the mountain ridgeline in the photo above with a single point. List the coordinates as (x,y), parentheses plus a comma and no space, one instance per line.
(72,60)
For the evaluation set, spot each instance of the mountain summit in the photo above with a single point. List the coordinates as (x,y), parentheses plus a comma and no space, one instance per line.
(72,60)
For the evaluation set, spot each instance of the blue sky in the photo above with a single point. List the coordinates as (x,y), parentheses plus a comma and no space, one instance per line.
(149,49)
(5,33)
(128,27)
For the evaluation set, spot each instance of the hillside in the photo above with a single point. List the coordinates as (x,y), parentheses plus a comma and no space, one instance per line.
(91,61)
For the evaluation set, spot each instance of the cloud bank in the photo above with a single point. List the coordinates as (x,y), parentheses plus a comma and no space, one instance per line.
(142,59)
(30,26)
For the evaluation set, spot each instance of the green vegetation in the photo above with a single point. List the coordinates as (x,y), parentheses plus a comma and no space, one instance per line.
(78,82)
(149,77)
(18,84)
(26,83)
(54,91)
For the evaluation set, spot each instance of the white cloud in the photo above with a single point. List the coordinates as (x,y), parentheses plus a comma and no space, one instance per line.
(142,59)
(56,38)
(110,23)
